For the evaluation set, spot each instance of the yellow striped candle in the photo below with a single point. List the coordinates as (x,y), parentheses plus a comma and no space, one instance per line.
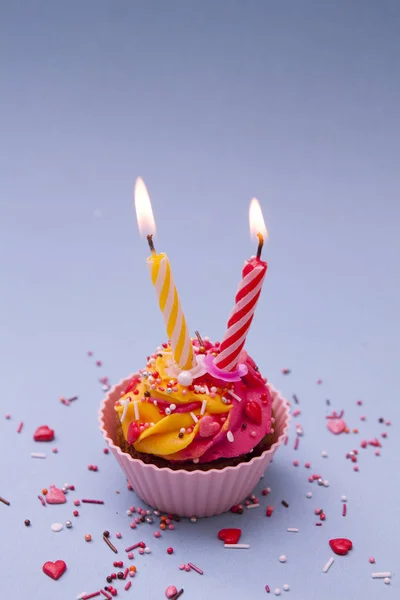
(161,277)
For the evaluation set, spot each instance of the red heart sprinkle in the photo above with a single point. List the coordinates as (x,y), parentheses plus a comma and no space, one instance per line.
(43,434)
(54,569)
(229,536)
(336,426)
(253,411)
(55,496)
(133,432)
(341,545)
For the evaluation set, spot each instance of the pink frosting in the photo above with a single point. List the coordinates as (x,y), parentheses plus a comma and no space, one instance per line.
(246,433)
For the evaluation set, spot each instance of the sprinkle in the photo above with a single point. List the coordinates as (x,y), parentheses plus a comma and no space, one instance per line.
(4,501)
(292,529)
(106,595)
(286,587)
(128,585)
(309,495)
(230,436)
(234,395)
(344,510)
(195,419)
(269,511)
(56,527)
(343,498)
(237,546)
(372,560)
(324,454)
(136,410)
(85,501)
(177,595)
(296,443)
(125,404)
(38,455)
(197,569)
(138,545)
(87,596)
(42,500)
(109,544)
(252,505)
(20,426)
(277,592)
(267,589)
(381,575)
(295,398)
(328,565)
(126,573)
(203,407)
(282,558)
(285,504)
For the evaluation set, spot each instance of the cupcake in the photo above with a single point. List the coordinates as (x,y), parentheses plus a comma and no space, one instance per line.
(189,442)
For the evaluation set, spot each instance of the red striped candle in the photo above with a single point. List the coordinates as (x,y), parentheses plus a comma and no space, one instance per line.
(246,299)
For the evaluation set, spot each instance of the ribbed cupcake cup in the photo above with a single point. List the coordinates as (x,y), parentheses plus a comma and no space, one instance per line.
(191,493)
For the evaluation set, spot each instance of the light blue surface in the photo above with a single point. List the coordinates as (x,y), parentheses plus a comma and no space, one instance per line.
(212,103)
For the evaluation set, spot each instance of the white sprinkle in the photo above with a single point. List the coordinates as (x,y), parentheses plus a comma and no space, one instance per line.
(38,455)
(309,495)
(237,546)
(213,389)
(253,505)
(203,407)
(172,406)
(136,409)
(386,580)
(195,419)
(207,390)
(124,403)
(196,460)
(325,483)
(234,395)
(328,565)
(182,430)
(282,558)
(230,436)
(324,454)
(147,550)
(343,498)
(81,596)
(56,527)
(277,592)
(293,529)
(286,587)
(381,575)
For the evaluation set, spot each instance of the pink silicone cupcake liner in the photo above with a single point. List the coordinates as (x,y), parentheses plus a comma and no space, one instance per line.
(192,493)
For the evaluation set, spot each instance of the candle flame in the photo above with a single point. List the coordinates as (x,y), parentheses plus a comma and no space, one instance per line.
(144,212)
(256,220)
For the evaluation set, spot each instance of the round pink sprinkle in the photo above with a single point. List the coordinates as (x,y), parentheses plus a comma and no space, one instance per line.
(307,465)
(182,567)
(118,535)
(157,534)
(355,468)
(55,450)
(132,525)
(106,450)
(77,502)
(141,550)
(317,511)
(371,560)
(8,416)
(377,453)
(187,568)
(295,463)
(130,555)
(171,526)
(129,486)
(384,434)
(388,423)
(359,402)
(171,591)
(132,509)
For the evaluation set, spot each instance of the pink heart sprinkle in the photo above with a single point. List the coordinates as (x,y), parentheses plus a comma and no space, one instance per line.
(55,496)
(171,591)
(336,426)
(208,427)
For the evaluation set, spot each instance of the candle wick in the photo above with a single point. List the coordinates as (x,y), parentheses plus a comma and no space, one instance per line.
(260,245)
(151,243)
